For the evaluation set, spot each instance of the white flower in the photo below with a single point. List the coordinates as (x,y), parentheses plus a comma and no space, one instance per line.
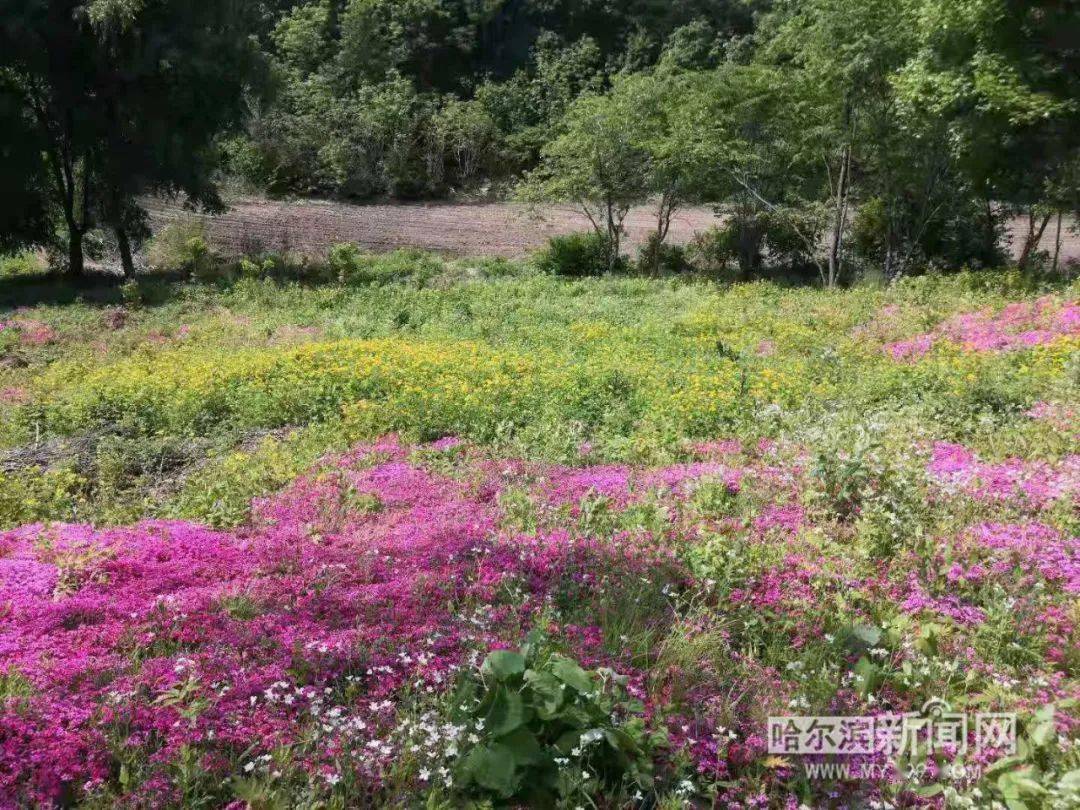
(425,774)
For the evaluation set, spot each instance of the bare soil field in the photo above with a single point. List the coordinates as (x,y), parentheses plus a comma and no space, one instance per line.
(253,225)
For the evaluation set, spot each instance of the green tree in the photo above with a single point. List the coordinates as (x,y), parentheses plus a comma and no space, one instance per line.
(598,164)
(648,104)
(126,97)
(1005,74)
(25,205)
(842,55)
(427,40)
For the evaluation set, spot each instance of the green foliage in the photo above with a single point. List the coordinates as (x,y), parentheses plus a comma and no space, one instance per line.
(348,265)
(712,252)
(23,263)
(125,98)
(182,247)
(575,255)
(501,353)
(34,494)
(659,258)
(552,731)
(596,163)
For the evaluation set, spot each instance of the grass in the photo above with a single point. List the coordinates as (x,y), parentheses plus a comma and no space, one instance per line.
(153,405)
(723,502)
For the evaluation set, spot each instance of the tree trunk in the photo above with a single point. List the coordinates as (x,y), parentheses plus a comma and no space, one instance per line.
(991,240)
(1057,242)
(668,203)
(1033,239)
(613,234)
(124,244)
(76,265)
(749,247)
(840,219)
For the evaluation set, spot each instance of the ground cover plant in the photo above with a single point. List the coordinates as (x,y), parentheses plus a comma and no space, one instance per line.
(413,532)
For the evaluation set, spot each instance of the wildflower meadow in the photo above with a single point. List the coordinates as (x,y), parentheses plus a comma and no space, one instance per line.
(468,535)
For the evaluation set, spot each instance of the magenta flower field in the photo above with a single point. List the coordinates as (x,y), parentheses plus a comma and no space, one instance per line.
(764,549)
(313,647)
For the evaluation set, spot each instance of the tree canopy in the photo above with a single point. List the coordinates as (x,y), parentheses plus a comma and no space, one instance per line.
(121,97)
(830,135)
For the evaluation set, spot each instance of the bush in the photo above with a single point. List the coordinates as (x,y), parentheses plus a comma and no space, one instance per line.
(712,253)
(659,258)
(25,263)
(344,261)
(349,265)
(576,255)
(538,710)
(181,247)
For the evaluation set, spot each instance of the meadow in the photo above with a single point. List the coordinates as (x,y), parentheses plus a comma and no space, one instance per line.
(459,533)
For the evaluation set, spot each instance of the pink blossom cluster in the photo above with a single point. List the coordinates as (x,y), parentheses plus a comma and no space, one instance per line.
(1058,415)
(366,580)
(1019,325)
(30,332)
(380,576)
(1026,484)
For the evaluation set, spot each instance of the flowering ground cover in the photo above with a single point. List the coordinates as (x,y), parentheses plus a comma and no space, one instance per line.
(512,541)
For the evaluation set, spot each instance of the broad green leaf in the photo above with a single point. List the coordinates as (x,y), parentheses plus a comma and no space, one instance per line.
(866,635)
(929,790)
(508,712)
(570,673)
(492,767)
(1070,781)
(503,664)
(524,747)
(1043,729)
(867,676)
(548,691)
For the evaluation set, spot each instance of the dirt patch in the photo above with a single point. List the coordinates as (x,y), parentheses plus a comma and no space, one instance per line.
(309,227)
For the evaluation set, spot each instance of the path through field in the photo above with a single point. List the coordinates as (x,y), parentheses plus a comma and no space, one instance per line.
(460,229)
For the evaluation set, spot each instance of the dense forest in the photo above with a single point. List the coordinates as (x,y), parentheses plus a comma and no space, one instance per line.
(832,135)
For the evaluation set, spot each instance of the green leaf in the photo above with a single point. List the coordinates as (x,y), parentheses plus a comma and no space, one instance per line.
(866,635)
(867,676)
(524,747)
(1002,764)
(1070,781)
(492,767)
(1043,729)
(568,741)
(570,673)
(548,691)
(508,712)
(503,664)
(621,741)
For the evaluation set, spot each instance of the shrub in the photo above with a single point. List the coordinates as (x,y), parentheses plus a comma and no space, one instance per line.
(344,261)
(35,494)
(539,713)
(713,252)
(349,265)
(659,258)
(576,255)
(26,263)
(181,247)
(252,268)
